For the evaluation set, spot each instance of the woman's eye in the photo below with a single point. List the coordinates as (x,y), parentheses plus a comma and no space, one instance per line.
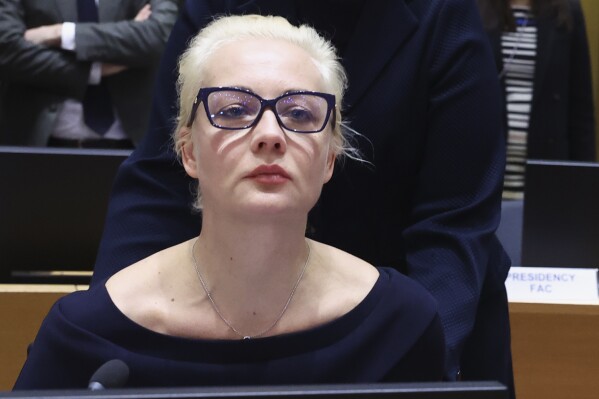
(298,114)
(233,111)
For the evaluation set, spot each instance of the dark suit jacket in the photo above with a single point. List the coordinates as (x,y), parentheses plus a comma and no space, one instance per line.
(562,122)
(424,93)
(39,78)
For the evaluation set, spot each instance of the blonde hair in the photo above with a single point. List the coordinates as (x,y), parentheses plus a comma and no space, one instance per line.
(229,29)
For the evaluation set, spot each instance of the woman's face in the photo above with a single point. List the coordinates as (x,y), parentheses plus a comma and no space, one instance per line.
(264,169)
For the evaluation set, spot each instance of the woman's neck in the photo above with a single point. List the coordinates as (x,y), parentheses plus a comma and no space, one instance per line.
(250,271)
(246,258)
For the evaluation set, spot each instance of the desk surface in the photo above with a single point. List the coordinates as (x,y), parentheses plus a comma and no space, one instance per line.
(555,350)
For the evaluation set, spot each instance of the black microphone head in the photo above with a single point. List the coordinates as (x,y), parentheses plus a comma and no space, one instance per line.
(112,374)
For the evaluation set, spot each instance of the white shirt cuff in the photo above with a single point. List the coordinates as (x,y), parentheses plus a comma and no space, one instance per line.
(67,36)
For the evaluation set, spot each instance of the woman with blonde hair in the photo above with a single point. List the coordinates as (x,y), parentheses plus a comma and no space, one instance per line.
(250,300)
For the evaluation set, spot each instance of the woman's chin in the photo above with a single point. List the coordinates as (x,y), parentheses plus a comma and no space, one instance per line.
(263,205)
(273,208)
(272,205)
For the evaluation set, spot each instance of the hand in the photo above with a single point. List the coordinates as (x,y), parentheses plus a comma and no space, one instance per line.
(112,69)
(144,13)
(48,35)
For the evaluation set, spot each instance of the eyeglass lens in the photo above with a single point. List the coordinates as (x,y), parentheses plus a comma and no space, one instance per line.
(298,112)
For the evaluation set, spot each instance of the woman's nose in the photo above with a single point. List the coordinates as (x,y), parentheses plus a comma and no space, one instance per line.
(267,134)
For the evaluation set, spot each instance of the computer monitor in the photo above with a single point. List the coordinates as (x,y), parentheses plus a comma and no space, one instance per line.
(52,208)
(561,214)
(440,390)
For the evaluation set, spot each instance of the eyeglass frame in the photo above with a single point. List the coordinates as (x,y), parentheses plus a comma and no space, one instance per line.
(204,92)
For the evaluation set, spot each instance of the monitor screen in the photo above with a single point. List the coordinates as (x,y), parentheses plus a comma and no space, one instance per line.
(52,207)
(561,214)
(440,390)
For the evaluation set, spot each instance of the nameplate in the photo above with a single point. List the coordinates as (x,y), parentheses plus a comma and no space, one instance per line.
(552,285)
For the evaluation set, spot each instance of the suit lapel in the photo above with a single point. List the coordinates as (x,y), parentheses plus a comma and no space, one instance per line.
(381,30)
(108,10)
(545,36)
(67,9)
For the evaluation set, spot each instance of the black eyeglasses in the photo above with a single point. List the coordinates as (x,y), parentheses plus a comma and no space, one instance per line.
(234,108)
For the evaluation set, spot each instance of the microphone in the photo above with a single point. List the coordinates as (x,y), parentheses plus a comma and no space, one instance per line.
(112,374)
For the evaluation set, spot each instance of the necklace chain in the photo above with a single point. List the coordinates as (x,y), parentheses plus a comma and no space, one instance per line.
(220,315)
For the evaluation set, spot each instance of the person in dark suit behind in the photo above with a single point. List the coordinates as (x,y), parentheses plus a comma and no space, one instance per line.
(424,94)
(80,73)
(250,300)
(542,56)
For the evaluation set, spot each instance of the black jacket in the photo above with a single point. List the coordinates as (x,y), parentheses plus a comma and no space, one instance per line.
(562,122)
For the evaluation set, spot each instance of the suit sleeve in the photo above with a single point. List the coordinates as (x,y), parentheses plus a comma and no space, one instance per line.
(450,246)
(23,62)
(150,205)
(581,113)
(127,42)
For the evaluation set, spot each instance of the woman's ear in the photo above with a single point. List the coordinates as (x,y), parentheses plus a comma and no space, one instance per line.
(188,155)
(330,166)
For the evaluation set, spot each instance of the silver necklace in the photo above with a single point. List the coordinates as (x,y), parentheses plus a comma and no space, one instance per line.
(216,309)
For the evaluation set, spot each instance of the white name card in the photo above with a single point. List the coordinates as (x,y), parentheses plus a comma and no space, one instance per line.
(552,285)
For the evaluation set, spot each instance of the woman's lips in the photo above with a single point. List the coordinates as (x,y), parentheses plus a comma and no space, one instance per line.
(269,174)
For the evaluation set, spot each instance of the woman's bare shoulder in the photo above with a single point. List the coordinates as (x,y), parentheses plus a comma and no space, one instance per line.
(142,291)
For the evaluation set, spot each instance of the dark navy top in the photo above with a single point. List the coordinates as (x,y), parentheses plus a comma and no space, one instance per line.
(394,334)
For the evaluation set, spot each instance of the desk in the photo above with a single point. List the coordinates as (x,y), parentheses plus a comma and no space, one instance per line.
(22,309)
(555,350)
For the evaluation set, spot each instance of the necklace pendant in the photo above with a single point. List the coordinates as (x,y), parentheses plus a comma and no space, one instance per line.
(247,337)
